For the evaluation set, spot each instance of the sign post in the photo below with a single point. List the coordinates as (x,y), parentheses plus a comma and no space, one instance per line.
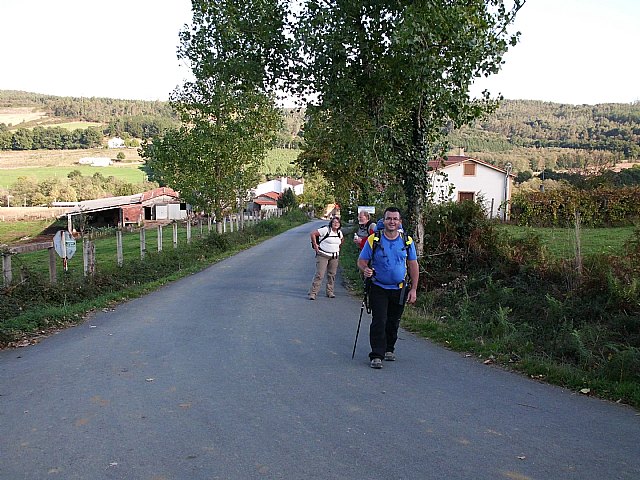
(65,246)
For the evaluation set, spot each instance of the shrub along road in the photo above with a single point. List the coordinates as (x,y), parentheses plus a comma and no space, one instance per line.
(232,373)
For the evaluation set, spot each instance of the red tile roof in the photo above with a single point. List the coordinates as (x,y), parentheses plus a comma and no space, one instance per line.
(272,195)
(261,201)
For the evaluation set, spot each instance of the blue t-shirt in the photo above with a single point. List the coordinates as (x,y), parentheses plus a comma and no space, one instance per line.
(389,260)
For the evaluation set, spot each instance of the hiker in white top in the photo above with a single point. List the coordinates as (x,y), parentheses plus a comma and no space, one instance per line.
(326,241)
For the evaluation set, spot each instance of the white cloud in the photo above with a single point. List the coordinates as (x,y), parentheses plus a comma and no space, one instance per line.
(572,51)
(118,49)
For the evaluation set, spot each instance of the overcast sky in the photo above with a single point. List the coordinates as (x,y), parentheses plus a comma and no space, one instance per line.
(571,51)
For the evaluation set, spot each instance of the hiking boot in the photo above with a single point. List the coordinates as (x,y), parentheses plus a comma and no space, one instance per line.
(390,357)
(376,363)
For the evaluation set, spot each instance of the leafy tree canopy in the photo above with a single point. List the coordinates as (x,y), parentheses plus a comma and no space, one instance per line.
(391,79)
(236,51)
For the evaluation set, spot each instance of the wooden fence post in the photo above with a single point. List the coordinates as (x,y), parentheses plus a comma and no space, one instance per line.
(143,243)
(89,257)
(159,238)
(92,258)
(200,225)
(209,224)
(53,272)
(119,254)
(175,234)
(6,269)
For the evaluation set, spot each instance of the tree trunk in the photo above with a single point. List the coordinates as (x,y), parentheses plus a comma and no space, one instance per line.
(414,179)
(414,224)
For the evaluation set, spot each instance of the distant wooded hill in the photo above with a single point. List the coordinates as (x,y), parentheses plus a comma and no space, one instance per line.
(555,136)
(88,109)
(531,135)
(125,118)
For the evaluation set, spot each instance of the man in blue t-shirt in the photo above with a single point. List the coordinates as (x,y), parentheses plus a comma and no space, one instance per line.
(385,260)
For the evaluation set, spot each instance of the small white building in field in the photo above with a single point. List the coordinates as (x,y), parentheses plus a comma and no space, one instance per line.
(95,161)
(115,142)
(458,178)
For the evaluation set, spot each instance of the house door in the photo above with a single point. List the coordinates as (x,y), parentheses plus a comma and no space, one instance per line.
(463,196)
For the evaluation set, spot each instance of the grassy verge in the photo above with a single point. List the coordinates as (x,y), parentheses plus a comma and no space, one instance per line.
(32,307)
(537,320)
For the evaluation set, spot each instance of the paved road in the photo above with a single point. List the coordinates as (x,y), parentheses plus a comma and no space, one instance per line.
(232,373)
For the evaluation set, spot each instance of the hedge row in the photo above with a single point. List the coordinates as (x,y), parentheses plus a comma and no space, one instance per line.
(603,207)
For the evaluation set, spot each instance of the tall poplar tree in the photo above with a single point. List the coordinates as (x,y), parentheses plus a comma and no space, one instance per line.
(236,50)
(389,80)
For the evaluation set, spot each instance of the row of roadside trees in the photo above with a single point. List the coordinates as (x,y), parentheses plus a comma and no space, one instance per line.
(383,83)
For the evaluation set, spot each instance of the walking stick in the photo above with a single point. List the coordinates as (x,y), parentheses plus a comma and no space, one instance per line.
(365,303)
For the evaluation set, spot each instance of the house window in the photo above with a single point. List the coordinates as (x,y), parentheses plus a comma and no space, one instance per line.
(462,196)
(469,169)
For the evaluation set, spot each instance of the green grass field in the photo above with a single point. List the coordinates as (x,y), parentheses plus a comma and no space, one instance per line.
(128,173)
(12,232)
(561,242)
(49,166)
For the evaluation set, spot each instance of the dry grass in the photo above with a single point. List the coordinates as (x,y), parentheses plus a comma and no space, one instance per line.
(15,214)
(60,158)
(15,115)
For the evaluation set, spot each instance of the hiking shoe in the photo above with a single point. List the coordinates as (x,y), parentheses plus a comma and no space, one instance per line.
(312,297)
(376,363)
(331,295)
(390,357)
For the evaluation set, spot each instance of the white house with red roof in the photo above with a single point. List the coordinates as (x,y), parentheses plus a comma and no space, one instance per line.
(459,178)
(265,195)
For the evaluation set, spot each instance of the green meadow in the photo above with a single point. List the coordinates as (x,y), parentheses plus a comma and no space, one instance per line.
(129,173)
(561,242)
(278,160)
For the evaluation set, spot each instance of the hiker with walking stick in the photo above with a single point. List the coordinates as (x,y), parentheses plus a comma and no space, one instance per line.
(389,260)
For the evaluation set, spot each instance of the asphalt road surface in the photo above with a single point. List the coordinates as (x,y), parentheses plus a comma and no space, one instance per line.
(232,373)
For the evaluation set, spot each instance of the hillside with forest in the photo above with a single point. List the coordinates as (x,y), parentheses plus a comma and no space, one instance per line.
(26,120)
(534,135)
(531,135)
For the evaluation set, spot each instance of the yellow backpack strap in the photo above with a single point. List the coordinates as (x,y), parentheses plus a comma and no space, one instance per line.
(371,239)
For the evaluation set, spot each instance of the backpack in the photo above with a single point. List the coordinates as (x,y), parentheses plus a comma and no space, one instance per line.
(406,240)
(375,242)
(326,235)
(364,228)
